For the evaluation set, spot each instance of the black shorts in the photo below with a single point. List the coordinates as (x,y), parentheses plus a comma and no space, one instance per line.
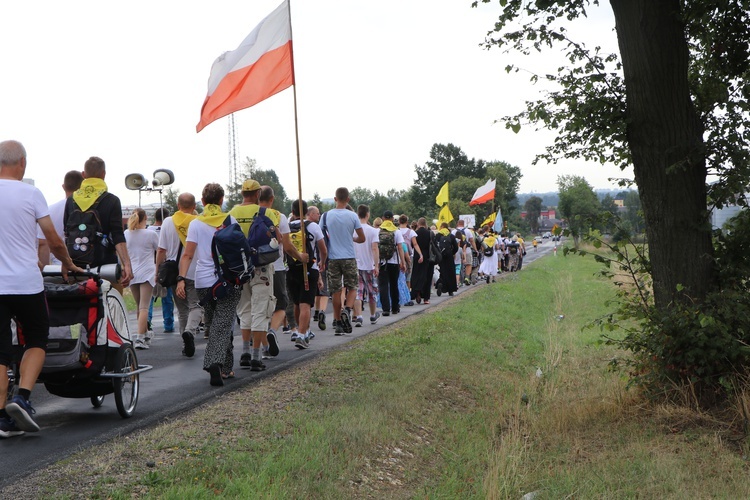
(279,291)
(32,315)
(296,284)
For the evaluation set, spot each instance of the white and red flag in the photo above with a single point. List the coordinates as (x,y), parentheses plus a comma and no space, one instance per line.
(484,193)
(259,68)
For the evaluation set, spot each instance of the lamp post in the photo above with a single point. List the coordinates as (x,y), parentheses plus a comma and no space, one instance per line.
(137,182)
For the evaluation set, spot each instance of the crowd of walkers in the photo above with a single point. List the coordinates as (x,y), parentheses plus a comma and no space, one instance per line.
(366,270)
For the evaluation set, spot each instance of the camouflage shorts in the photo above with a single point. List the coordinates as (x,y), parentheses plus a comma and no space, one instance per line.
(342,270)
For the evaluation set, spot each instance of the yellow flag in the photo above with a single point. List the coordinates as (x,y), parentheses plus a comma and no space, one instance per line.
(442,197)
(490,220)
(445,214)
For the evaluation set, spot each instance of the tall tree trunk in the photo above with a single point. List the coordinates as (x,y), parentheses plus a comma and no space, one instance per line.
(665,137)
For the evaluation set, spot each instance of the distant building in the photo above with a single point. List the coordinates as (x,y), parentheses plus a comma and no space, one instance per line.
(543,215)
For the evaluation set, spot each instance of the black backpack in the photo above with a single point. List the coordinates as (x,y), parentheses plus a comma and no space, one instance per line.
(445,246)
(296,237)
(386,243)
(259,237)
(83,235)
(232,254)
(513,248)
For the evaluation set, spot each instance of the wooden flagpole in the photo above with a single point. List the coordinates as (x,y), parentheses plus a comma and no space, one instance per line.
(303,236)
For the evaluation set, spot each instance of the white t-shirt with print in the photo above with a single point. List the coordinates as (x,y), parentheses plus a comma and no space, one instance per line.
(142,246)
(169,240)
(23,206)
(202,234)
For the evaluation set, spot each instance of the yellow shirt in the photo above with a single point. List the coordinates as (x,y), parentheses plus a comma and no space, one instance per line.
(245,214)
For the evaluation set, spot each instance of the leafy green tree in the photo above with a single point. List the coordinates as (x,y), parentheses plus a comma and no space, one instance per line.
(169,199)
(533,208)
(674,103)
(447,162)
(266,177)
(578,204)
(634,215)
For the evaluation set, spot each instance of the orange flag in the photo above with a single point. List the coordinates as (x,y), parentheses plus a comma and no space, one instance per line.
(259,68)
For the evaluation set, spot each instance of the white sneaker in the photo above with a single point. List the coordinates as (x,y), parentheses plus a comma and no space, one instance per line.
(140,344)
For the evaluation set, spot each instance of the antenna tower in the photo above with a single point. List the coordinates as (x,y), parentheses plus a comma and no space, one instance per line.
(234,174)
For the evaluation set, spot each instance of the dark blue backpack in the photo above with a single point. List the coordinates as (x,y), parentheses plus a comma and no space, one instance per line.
(232,254)
(262,232)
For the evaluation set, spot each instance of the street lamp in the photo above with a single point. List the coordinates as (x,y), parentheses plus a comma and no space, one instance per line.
(137,182)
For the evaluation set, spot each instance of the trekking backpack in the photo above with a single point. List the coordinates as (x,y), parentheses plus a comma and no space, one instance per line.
(513,248)
(295,234)
(83,235)
(444,245)
(386,243)
(262,232)
(232,254)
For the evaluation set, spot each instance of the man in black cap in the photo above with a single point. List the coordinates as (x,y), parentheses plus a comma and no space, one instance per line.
(391,249)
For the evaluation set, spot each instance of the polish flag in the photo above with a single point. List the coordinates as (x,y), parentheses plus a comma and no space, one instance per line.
(259,68)
(484,193)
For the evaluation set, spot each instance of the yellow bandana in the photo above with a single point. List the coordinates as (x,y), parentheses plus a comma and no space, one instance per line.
(490,241)
(91,190)
(181,222)
(212,215)
(388,225)
(445,231)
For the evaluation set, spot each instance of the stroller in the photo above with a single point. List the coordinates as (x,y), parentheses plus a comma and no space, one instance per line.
(89,351)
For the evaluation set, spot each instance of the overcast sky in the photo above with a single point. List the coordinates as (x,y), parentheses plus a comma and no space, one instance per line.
(378,83)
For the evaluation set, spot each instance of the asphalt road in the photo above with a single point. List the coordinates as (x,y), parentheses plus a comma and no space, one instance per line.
(175,385)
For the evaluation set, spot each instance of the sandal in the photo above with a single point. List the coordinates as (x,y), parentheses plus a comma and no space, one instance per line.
(227,375)
(426,302)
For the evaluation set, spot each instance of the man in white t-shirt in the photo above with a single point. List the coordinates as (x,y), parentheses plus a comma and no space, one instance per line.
(390,264)
(71,183)
(172,240)
(21,285)
(367,256)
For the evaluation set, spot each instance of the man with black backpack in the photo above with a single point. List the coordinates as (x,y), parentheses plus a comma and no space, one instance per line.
(391,250)
(94,231)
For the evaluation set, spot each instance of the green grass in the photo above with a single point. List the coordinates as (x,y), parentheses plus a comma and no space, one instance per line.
(433,408)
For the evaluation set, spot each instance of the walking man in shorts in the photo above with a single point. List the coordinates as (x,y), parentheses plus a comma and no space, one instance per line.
(340,224)
(21,285)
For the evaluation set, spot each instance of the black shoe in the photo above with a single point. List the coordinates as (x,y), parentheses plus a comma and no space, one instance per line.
(273,346)
(450,294)
(245,359)
(315,316)
(386,313)
(257,366)
(395,311)
(322,320)
(346,322)
(215,371)
(189,341)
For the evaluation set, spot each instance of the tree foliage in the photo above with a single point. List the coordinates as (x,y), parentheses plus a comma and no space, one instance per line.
(578,205)
(533,209)
(675,103)
(266,177)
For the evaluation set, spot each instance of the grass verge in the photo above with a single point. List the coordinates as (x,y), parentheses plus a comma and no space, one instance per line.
(490,396)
